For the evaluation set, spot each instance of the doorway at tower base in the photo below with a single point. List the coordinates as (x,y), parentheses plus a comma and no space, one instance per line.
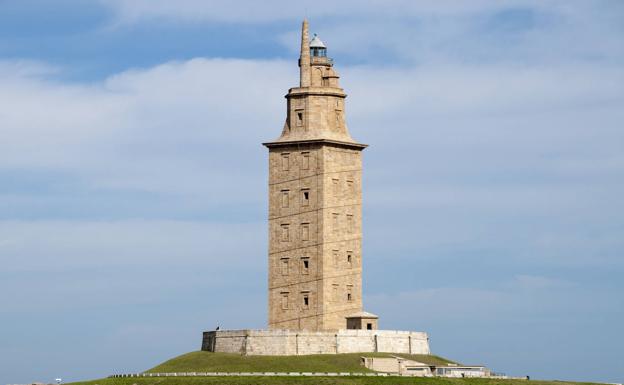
(302,342)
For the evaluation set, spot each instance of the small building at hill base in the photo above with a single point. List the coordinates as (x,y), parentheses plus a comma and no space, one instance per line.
(406,367)
(362,320)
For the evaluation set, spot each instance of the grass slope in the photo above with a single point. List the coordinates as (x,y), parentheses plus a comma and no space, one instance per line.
(225,362)
(316,381)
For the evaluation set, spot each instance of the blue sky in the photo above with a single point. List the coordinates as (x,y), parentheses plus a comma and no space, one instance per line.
(133,183)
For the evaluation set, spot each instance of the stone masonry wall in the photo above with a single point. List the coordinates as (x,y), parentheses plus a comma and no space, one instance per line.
(293,342)
(315,233)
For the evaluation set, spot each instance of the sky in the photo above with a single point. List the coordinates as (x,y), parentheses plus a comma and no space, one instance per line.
(133,183)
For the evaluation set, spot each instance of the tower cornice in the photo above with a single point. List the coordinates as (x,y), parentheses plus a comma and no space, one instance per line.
(319,91)
(339,143)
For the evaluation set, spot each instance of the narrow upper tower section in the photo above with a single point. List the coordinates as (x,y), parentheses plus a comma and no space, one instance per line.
(316,107)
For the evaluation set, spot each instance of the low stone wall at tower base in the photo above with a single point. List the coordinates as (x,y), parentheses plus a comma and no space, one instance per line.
(301,342)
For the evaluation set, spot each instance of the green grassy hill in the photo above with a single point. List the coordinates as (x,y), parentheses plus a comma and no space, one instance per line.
(223,362)
(226,362)
(316,381)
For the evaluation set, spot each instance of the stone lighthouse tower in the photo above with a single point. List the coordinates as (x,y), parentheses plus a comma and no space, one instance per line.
(315,231)
(315,205)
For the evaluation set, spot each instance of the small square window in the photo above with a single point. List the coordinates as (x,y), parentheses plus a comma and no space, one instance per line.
(285,235)
(285,161)
(306,301)
(335,222)
(305,265)
(305,231)
(350,258)
(349,293)
(305,160)
(305,197)
(285,198)
(299,114)
(350,223)
(336,186)
(284,266)
(350,186)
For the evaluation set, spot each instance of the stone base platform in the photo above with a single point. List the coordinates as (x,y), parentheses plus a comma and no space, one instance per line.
(302,342)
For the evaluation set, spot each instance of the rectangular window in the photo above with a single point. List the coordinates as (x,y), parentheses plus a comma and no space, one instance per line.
(284,198)
(305,197)
(305,231)
(369,326)
(350,223)
(350,186)
(299,114)
(350,259)
(305,160)
(335,222)
(306,300)
(338,118)
(336,257)
(284,301)
(285,161)
(335,186)
(285,236)
(335,292)
(349,293)
(305,265)
(284,266)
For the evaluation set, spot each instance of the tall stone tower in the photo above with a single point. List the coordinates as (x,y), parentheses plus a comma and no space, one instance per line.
(315,204)
(315,232)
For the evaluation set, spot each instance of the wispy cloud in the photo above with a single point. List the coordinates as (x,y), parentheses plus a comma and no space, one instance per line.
(274,10)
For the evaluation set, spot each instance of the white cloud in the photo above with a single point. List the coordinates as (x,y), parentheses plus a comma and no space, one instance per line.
(179,117)
(482,31)
(478,145)
(536,282)
(56,246)
(271,10)
(158,129)
(486,91)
